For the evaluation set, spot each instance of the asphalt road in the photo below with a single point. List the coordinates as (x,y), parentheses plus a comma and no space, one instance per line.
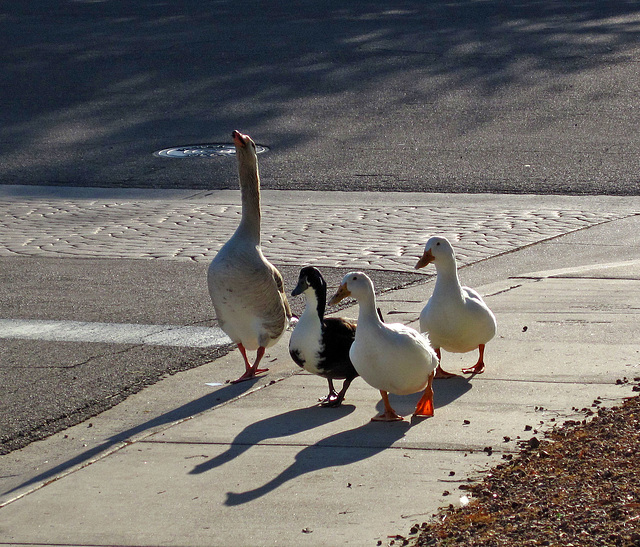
(527,97)
(418,96)
(47,386)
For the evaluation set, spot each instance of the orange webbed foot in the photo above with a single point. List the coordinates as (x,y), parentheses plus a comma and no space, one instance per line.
(387,417)
(440,373)
(250,375)
(424,408)
(478,368)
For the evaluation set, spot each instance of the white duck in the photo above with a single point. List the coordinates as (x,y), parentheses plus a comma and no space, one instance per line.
(455,317)
(390,357)
(246,289)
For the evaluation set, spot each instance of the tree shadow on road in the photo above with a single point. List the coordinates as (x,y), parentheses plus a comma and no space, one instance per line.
(91,99)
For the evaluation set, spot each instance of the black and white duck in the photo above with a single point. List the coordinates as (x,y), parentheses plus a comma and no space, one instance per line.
(320,344)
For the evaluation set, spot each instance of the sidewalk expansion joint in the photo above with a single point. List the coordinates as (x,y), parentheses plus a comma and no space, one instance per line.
(471,448)
(581,382)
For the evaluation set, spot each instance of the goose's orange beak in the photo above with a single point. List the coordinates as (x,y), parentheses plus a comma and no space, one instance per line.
(427,258)
(342,293)
(239,139)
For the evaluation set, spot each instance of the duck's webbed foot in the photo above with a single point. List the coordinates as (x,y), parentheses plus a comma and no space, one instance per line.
(334,398)
(478,368)
(250,375)
(330,400)
(424,408)
(441,373)
(250,371)
(389,415)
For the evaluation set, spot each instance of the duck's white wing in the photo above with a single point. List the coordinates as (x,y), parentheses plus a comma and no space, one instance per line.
(394,358)
(468,292)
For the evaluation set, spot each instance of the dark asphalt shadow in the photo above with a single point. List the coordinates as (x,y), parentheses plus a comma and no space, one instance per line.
(94,88)
(207,402)
(341,449)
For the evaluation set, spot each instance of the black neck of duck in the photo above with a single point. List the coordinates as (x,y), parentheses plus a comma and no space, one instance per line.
(321,296)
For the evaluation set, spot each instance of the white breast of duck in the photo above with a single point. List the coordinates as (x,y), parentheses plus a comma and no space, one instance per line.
(392,357)
(319,344)
(456,317)
(306,344)
(389,357)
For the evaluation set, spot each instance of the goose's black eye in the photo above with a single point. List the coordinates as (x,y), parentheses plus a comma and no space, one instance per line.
(437,243)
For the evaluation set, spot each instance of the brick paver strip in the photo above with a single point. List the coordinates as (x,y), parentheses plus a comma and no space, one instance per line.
(376,237)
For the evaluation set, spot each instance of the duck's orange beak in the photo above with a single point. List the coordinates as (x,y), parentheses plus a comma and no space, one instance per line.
(342,293)
(427,258)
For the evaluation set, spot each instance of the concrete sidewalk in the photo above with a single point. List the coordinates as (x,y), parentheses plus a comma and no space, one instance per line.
(187,463)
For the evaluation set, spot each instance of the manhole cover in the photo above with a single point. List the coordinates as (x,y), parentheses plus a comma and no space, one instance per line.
(203,151)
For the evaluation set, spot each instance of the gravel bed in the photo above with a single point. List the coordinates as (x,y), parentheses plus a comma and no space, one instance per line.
(579,486)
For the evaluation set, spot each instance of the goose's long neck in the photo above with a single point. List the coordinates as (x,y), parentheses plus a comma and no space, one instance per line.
(250,191)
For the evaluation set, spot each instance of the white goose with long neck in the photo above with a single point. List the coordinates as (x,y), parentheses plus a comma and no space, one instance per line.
(246,290)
